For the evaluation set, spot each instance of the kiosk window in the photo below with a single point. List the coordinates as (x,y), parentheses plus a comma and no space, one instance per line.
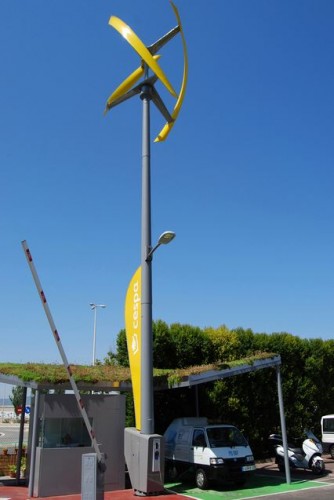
(63,432)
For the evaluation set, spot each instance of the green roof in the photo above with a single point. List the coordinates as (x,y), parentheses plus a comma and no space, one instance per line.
(109,377)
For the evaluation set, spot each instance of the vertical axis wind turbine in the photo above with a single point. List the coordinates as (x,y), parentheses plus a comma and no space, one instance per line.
(147,92)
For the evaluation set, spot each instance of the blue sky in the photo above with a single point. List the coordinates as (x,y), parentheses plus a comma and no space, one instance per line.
(245,179)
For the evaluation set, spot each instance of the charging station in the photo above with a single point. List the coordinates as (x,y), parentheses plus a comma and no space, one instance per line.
(144,455)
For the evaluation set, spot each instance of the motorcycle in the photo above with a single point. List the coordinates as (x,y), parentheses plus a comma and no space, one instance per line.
(307,457)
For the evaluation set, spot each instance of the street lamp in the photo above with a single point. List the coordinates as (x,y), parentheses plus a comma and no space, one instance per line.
(147,404)
(165,238)
(94,307)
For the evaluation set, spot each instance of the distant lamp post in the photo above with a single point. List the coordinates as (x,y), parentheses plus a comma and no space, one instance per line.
(94,307)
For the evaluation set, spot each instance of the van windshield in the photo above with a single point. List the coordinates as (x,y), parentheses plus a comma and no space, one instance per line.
(225,436)
(328,424)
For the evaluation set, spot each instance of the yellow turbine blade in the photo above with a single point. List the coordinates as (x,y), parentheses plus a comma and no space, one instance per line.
(126,85)
(140,48)
(168,126)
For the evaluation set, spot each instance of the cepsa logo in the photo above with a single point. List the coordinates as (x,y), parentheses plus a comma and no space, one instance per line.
(135,318)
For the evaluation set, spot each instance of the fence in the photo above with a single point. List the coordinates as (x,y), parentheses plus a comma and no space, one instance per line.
(8,462)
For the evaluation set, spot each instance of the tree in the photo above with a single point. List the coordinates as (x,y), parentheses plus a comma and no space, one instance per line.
(121,356)
(192,346)
(110,359)
(249,401)
(16,397)
(226,343)
(164,351)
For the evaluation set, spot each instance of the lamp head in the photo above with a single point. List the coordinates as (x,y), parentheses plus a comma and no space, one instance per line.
(166,237)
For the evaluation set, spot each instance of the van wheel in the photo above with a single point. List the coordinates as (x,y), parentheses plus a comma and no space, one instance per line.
(171,472)
(201,479)
(331,451)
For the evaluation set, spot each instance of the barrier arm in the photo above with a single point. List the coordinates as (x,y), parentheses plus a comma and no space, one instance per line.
(63,355)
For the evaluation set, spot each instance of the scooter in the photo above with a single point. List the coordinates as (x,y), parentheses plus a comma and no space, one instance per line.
(307,457)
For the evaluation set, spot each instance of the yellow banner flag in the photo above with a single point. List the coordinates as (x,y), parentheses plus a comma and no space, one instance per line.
(133,337)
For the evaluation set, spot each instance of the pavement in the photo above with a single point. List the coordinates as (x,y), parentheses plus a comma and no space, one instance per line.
(269,484)
(10,491)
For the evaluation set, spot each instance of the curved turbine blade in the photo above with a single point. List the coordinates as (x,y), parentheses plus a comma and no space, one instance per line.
(132,92)
(140,48)
(168,126)
(126,85)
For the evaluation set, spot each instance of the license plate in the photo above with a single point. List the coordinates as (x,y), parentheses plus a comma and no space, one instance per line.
(248,467)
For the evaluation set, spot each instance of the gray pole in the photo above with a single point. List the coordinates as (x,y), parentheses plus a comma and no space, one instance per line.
(147,412)
(283,428)
(94,337)
(19,454)
(33,444)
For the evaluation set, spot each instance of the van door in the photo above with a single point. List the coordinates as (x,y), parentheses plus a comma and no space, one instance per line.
(327,433)
(181,450)
(198,446)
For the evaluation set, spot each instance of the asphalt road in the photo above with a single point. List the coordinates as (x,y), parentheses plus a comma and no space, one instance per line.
(323,493)
(319,493)
(9,435)
(268,483)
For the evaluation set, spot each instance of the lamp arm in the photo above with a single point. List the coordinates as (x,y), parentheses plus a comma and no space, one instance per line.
(150,252)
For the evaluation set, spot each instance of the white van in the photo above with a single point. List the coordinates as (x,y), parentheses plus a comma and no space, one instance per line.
(210,452)
(327,434)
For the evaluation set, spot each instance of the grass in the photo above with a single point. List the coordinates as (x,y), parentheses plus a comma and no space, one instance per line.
(113,375)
